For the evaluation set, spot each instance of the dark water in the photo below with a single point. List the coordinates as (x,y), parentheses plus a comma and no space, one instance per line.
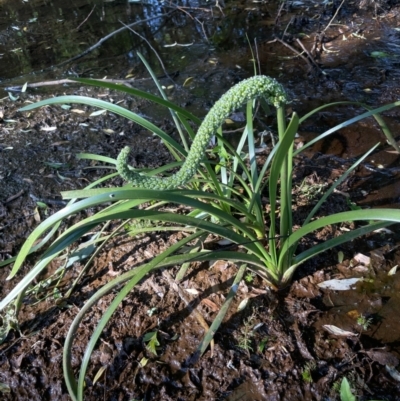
(358,59)
(41,34)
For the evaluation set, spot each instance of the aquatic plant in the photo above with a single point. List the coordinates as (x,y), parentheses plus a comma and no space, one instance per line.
(224,198)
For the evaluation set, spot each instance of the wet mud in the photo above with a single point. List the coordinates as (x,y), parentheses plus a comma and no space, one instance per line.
(281,345)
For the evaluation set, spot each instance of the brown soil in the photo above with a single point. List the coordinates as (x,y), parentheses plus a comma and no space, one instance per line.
(265,363)
(276,348)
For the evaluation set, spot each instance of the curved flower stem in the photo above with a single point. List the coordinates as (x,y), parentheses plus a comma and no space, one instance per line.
(249,89)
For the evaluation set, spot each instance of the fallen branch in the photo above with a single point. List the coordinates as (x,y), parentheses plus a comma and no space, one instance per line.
(70,81)
(86,18)
(334,16)
(311,58)
(102,40)
(294,51)
(152,48)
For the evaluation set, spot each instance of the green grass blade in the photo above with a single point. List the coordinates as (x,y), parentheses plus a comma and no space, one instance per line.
(217,229)
(222,312)
(223,160)
(337,183)
(286,176)
(262,182)
(326,245)
(251,144)
(385,129)
(114,108)
(325,106)
(186,197)
(55,249)
(278,162)
(389,215)
(392,215)
(144,95)
(161,90)
(345,124)
(93,156)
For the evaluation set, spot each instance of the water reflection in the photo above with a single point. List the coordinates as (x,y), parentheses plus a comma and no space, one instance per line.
(38,34)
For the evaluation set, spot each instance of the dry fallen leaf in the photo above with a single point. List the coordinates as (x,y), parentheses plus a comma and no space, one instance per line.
(188,81)
(339,285)
(337,331)
(210,304)
(363,259)
(78,111)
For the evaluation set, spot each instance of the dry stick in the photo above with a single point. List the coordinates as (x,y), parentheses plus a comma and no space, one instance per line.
(86,17)
(308,54)
(102,40)
(182,9)
(334,16)
(13,197)
(279,12)
(69,81)
(287,27)
(294,51)
(176,7)
(219,6)
(316,40)
(202,28)
(152,48)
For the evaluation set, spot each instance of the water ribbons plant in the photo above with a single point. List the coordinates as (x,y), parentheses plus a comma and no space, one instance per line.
(223,196)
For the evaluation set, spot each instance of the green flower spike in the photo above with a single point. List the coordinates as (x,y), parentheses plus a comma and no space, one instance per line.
(251,88)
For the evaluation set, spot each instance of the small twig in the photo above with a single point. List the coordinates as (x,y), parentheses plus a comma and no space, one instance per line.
(202,28)
(13,197)
(308,53)
(69,81)
(152,48)
(295,51)
(315,44)
(39,84)
(176,7)
(183,10)
(102,40)
(54,202)
(86,17)
(279,12)
(334,16)
(219,6)
(287,27)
